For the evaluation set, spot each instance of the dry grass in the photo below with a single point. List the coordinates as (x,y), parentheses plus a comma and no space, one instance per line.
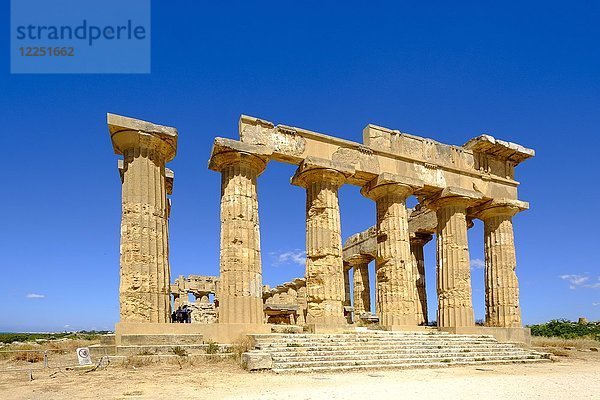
(138,361)
(68,345)
(241,345)
(29,356)
(579,343)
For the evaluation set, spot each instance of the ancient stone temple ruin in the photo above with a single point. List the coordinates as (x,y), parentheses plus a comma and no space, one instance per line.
(453,184)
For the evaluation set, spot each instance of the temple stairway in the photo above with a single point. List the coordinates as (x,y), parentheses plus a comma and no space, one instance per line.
(381,349)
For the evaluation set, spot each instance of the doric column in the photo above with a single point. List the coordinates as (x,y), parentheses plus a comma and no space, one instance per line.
(240,295)
(455,304)
(501,284)
(347,299)
(176,300)
(301,320)
(393,264)
(324,265)
(144,291)
(362,291)
(416,248)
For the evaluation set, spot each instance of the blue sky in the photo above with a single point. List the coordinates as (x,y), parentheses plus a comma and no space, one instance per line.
(528,73)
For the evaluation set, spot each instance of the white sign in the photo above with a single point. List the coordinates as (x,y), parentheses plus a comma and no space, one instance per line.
(83,354)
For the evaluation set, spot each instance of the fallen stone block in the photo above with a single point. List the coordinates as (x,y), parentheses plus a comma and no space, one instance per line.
(256,360)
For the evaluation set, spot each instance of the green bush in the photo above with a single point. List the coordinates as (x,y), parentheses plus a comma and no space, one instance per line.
(212,348)
(31,337)
(567,329)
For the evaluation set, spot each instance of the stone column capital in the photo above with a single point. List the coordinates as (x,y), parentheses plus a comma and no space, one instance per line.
(454,196)
(358,260)
(227,152)
(498,207)
(129,133)
(387,183)
(420,238)
(314,169)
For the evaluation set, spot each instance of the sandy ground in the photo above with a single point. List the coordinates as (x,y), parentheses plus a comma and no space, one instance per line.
(574,377)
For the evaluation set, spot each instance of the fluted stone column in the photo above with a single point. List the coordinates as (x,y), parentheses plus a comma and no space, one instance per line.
(362,291)
(416,248)
(302,305)
(347,299)
(393,264)
(144,290)
(240,296)
(455,304)
(324,265)
(176,301)
(501,284)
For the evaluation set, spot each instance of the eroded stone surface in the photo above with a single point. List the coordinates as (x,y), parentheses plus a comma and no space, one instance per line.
(324,265)
(145,273)
(240,287)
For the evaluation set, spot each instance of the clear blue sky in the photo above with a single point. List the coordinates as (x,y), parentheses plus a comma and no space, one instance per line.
(528,73)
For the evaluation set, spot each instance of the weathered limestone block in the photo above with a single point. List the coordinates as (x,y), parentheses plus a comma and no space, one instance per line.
(455,304)
(145,274)
(302,304)
(256,360)
(416,248)
(393,265)
(324,266)
(362,290)
(501,284)
(280,138)
(240,286)
(203,313)
(347,298)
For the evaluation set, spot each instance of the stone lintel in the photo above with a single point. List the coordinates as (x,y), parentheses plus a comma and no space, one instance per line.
(281,307)
(361,236)
(126,133)
(499,148)
(498,207)
(248,120)
(387,182)
(329,169)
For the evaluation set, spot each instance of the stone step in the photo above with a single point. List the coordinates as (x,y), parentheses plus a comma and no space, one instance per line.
(272,336)
(396,360)
(373,340)
(388,348)
(390,335)
(375,344)
(372,355)
(323,352)
(400,366)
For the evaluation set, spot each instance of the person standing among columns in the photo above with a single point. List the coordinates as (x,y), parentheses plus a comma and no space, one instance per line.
(324,265)
(393,264)
(501,284)
(144,290)
(240,287)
